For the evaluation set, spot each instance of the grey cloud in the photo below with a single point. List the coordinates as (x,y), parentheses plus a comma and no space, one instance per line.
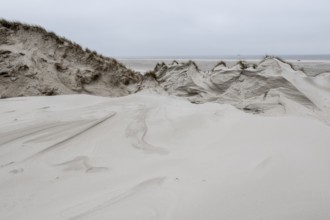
(173,27)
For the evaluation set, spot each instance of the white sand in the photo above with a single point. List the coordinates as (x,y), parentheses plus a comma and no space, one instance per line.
(155,157)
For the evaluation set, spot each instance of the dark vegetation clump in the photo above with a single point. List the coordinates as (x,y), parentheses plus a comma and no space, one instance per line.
(223,63)
(48,91)
(87,77)
(243,64)
(190,62)
(13,25)
(53,36)
(290,64)
(280,59)
(5,52)
(65,55)
(150,75)
(3,96)
(59,67)
(126,81)
(175,62)
(159,66)
(125,77)
(23,68)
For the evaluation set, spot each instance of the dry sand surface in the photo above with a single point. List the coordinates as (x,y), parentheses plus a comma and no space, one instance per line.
(147,156)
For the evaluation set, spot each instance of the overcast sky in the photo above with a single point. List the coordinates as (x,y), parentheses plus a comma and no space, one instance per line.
(123,28)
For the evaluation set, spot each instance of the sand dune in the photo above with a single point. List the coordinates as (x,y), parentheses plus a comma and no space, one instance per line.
(35,62)
(244,141)
(155,157)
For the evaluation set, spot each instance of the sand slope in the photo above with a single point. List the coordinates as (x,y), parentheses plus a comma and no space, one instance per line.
(155,157)
(35,62)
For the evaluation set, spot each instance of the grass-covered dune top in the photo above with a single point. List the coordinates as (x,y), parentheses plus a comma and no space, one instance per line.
(34,61)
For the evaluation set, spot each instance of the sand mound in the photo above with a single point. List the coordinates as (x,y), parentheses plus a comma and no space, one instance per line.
(272,87)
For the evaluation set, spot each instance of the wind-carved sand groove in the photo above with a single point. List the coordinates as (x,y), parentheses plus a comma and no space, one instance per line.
(80,163)
(31,136)
(58,132)
(11,136)
(139,188)
(58,144)
(137,131)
